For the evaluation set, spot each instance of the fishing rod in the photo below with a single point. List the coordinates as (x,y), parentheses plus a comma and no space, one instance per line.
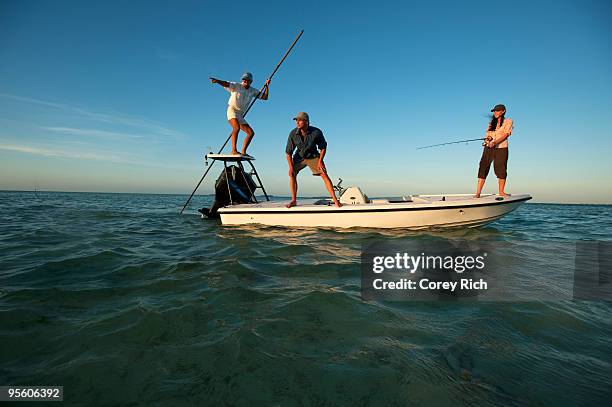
(245,113)
(455,142)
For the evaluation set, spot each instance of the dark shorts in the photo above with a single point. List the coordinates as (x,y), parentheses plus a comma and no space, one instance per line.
(499,158)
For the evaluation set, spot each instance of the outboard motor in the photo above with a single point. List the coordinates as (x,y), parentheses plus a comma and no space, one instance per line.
(240,186)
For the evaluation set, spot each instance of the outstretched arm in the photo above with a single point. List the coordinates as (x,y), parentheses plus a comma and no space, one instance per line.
(225,84)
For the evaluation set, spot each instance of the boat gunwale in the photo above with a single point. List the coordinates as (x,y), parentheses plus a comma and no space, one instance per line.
(360,209)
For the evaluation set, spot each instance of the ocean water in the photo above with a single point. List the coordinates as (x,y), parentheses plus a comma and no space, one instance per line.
(122,301)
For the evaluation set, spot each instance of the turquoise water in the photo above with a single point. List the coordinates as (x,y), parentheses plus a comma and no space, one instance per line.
(124,302)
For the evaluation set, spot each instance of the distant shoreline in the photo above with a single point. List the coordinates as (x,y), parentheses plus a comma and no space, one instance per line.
(271,196)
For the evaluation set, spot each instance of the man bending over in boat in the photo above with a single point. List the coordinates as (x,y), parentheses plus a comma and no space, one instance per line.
(241,95)
(309,145)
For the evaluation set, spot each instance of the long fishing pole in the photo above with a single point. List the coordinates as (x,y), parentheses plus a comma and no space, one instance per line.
(452,142)
(245,113)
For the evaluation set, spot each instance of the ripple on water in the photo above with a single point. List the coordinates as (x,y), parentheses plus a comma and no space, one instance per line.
(101,292)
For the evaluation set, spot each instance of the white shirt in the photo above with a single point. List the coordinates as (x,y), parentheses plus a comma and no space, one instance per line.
(501,131)
(240,97)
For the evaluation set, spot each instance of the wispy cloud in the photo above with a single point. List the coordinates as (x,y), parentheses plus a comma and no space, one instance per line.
(150,126)
(92,133)
(58,153)
(33,101)
(71,153)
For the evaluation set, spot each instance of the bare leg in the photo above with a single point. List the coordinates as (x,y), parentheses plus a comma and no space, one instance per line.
(481,182)
(235,130)
(330,188)
(502,186)
(249,136)
(293,185)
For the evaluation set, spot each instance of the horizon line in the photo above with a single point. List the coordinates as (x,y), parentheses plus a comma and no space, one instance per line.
(270,195)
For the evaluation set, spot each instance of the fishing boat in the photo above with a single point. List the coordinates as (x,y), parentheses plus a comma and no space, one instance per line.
(236,201)
(411,212)
(236,204)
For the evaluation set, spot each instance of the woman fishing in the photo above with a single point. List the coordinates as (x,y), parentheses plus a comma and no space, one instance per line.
(495,150)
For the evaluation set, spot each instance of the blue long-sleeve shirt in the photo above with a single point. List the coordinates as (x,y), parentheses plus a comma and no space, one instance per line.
(307,146)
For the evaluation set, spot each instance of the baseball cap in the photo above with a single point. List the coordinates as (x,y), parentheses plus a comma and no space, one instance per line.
(498,108)
(248,76)
(302,116)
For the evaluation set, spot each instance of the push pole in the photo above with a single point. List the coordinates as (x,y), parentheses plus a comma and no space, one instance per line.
(245,113)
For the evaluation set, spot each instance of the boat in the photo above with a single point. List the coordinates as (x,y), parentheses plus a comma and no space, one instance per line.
(412,212)
(408,212)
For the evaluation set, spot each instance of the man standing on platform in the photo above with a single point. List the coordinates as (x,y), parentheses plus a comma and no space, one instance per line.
(241,95)
(310,146)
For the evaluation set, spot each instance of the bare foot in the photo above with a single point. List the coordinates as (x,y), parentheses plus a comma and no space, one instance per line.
(476,196)
(290,204)
(338,204)
(234,152)
(505,195)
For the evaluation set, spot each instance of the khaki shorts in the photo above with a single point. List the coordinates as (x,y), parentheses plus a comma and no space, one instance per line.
(235,114)
(312,163)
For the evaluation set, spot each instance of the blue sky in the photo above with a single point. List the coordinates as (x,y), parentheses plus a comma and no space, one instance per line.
(114,96)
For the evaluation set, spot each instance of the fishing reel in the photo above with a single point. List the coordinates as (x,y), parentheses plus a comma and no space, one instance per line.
(486,141)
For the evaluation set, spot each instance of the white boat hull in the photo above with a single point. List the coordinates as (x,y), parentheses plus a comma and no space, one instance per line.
(424,212)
